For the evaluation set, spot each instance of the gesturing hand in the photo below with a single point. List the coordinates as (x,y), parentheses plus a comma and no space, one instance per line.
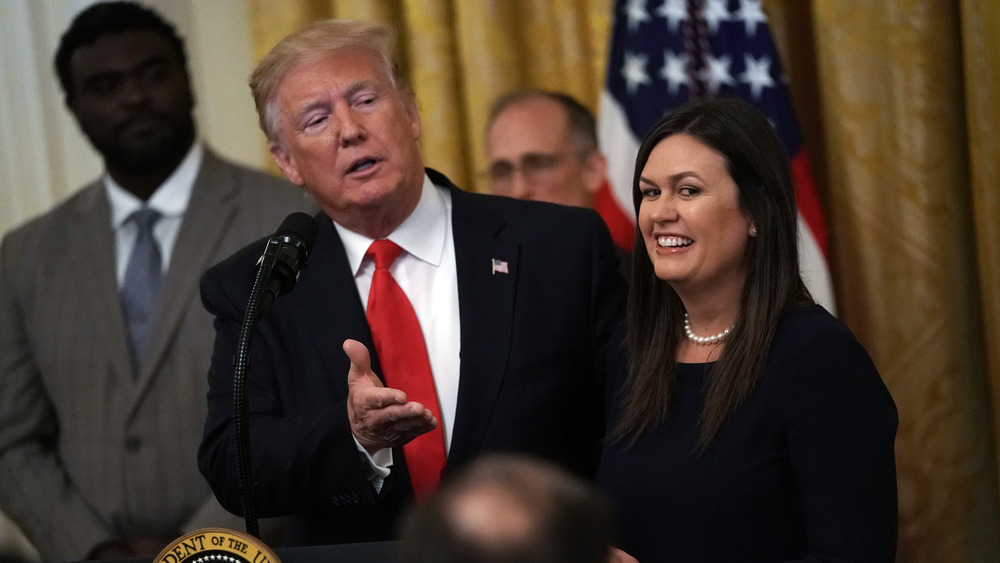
(380,416)
(619,556)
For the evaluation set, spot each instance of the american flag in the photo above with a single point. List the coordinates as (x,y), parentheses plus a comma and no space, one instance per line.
(499,266)
(665,52)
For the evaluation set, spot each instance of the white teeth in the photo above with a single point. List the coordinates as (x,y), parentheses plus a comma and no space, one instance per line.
(363,165)
(673,242)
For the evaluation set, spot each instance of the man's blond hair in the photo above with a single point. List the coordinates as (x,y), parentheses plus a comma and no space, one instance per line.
(311,43)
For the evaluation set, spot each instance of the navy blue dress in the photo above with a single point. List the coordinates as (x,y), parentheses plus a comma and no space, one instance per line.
(803,471)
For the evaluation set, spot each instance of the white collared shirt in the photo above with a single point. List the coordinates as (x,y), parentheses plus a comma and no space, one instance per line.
(170,199)
(427,273)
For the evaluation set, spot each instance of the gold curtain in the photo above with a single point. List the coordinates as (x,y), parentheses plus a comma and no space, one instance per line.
(899,102)
(896,102)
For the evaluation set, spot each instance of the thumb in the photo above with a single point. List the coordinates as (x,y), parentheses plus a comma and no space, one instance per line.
(360,363)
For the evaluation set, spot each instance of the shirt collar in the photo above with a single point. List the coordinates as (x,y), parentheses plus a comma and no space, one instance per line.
(170,198)
(422,234)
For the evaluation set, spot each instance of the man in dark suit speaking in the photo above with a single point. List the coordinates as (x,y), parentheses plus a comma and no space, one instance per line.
(483,329)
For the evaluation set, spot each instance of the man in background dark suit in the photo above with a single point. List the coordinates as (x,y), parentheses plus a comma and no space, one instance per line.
(100,410)
(516,303)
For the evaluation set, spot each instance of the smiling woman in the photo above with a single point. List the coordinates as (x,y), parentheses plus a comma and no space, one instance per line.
(695,231)
(740,403)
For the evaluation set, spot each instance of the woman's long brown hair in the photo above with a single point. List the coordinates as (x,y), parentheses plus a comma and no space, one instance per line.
(756,161)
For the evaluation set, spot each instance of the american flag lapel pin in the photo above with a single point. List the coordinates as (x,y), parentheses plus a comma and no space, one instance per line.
(499,267)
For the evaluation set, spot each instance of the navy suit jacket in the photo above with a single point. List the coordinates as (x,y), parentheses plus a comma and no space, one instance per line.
(533,348)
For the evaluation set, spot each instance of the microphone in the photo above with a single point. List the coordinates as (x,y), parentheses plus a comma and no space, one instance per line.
(286,251)
(274,275)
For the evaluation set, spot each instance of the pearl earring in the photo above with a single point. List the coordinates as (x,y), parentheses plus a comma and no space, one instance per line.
(753,230)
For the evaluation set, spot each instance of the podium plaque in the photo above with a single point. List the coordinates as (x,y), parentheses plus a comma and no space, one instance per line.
(216,545)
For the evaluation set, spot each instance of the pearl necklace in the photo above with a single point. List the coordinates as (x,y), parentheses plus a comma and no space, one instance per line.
(704,340)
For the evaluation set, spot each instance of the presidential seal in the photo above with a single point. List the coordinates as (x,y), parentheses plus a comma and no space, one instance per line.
(217,545)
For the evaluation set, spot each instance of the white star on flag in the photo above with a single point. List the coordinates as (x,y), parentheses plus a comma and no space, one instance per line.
(634,71)
(717,74)
(715,13)
(757,74)
(674,12)
(674,71)
(752,14)
(637,13)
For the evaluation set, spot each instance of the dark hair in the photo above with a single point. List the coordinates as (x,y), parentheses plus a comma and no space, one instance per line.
(538,513)
(756,161)
(582,125)
(109,18)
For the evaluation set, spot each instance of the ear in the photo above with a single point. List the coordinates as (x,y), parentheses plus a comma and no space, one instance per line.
(595,170)
(753,230)
(285,162)
(412,111)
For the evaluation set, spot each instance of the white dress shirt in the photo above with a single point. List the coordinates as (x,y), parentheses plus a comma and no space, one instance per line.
(427,274)
(170,199)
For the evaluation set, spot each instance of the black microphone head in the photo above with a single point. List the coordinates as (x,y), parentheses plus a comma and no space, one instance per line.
(300,225)
(287,250)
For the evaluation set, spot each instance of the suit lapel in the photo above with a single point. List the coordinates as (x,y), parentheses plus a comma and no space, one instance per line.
(486,305)
(93,265)
(326,284)
(207,218)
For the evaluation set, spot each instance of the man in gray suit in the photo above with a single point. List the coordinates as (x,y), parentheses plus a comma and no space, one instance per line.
(102,361)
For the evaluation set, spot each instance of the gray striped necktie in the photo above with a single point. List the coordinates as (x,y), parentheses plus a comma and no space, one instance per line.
(143,276)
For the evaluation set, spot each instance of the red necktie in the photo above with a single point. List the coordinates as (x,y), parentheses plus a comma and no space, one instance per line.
(399,343)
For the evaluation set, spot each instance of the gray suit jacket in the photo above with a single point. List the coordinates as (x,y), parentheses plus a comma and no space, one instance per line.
(89,453)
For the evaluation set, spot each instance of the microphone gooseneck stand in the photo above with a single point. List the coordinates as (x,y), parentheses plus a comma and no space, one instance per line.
(241,426)
(275,275)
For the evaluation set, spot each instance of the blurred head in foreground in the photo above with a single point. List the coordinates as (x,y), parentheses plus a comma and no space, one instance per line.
(506,509)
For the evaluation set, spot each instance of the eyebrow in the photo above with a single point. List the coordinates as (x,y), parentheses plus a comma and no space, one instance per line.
(351,89)
(358,85)
(136,68)
(672,177)
(310,107)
